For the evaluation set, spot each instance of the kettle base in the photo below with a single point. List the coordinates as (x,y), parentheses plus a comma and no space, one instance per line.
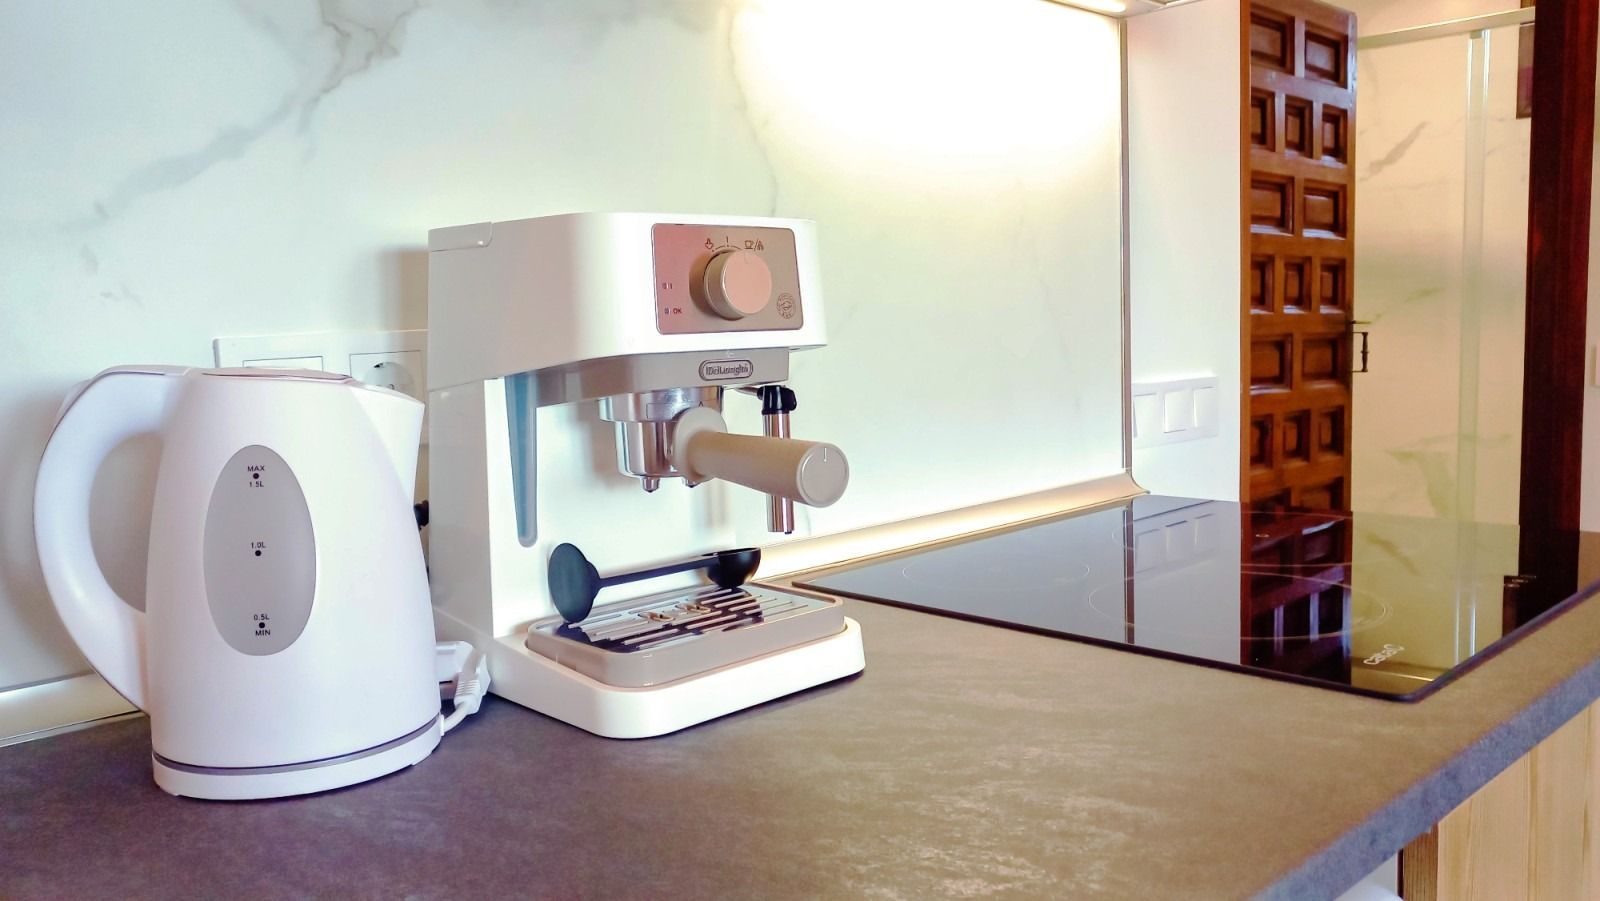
(283,780)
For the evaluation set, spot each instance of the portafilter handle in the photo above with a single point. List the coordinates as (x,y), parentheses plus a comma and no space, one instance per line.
(811,472)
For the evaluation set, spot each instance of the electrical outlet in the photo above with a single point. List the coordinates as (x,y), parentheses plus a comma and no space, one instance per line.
(400,370)
(395,359)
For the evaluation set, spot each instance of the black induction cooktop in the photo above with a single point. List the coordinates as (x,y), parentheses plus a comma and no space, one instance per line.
(1381,605)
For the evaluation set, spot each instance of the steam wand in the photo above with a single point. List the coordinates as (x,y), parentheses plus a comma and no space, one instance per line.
(777,402)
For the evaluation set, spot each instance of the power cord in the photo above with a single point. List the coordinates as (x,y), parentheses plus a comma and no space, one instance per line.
(463,673)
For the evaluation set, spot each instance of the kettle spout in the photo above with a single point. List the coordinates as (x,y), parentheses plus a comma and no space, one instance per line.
(397,420)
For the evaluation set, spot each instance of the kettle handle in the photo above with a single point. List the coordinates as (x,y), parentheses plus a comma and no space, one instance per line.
(115,405)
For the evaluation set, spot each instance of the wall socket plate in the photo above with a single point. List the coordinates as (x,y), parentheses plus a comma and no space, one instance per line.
(394,359)
(1173,411)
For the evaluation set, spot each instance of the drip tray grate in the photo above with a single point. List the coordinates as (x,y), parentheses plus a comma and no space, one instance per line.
(674,634)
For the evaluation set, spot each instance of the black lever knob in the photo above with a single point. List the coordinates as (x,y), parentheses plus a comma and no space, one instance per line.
(574,582)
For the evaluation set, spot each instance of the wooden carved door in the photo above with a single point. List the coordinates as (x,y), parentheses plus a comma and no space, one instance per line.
(1299,197)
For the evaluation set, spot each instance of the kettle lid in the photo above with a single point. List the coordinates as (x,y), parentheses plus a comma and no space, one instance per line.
(307,375)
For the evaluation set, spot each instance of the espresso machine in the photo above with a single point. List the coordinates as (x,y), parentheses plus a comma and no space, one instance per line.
(579,371)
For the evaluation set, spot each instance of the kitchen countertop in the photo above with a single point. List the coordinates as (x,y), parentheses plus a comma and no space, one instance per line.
(967,759)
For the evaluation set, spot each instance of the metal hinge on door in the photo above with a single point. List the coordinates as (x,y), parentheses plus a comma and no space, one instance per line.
(1363,333)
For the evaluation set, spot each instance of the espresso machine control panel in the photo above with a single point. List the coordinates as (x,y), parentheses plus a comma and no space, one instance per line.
(714,278)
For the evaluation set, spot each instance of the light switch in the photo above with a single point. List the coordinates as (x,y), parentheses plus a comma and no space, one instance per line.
(1177,411)
(1205,409)
(284,363)
(1180,540)
(1205,532)
(1147,550)
(1168,412)
(1146,415)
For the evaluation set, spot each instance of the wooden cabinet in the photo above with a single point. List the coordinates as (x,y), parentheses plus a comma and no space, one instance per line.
(1532,832)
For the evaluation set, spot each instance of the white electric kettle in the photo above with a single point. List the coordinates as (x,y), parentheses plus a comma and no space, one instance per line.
(287,640)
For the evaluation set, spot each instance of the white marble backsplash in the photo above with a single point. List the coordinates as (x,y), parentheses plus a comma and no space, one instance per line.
(1437,433)
(186,170)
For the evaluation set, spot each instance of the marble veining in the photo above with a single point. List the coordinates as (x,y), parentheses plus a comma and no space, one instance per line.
(201,170)
(1441,403)
(1435,470)
(348,41)
(1394,153)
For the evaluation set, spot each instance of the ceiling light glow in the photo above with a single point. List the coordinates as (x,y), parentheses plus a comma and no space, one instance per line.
(963,92)
(1112,7)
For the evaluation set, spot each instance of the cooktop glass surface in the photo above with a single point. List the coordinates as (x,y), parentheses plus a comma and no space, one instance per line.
(1383,605)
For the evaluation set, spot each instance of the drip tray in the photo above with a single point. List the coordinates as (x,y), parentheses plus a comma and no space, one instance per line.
(656,639)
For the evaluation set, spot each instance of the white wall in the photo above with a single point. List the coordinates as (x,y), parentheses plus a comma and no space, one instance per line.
(181,171)
(1184,215)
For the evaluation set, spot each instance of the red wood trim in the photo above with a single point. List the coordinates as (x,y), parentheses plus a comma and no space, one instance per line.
(1244,253)
(1562,148)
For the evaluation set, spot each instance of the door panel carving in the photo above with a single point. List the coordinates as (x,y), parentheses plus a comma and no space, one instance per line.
(1299,205)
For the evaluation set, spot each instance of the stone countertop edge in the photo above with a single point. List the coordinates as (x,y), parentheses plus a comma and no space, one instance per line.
(1445,747)
(1512,724)
(1363,849)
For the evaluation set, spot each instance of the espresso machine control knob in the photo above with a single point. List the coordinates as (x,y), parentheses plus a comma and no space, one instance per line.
(738,283)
